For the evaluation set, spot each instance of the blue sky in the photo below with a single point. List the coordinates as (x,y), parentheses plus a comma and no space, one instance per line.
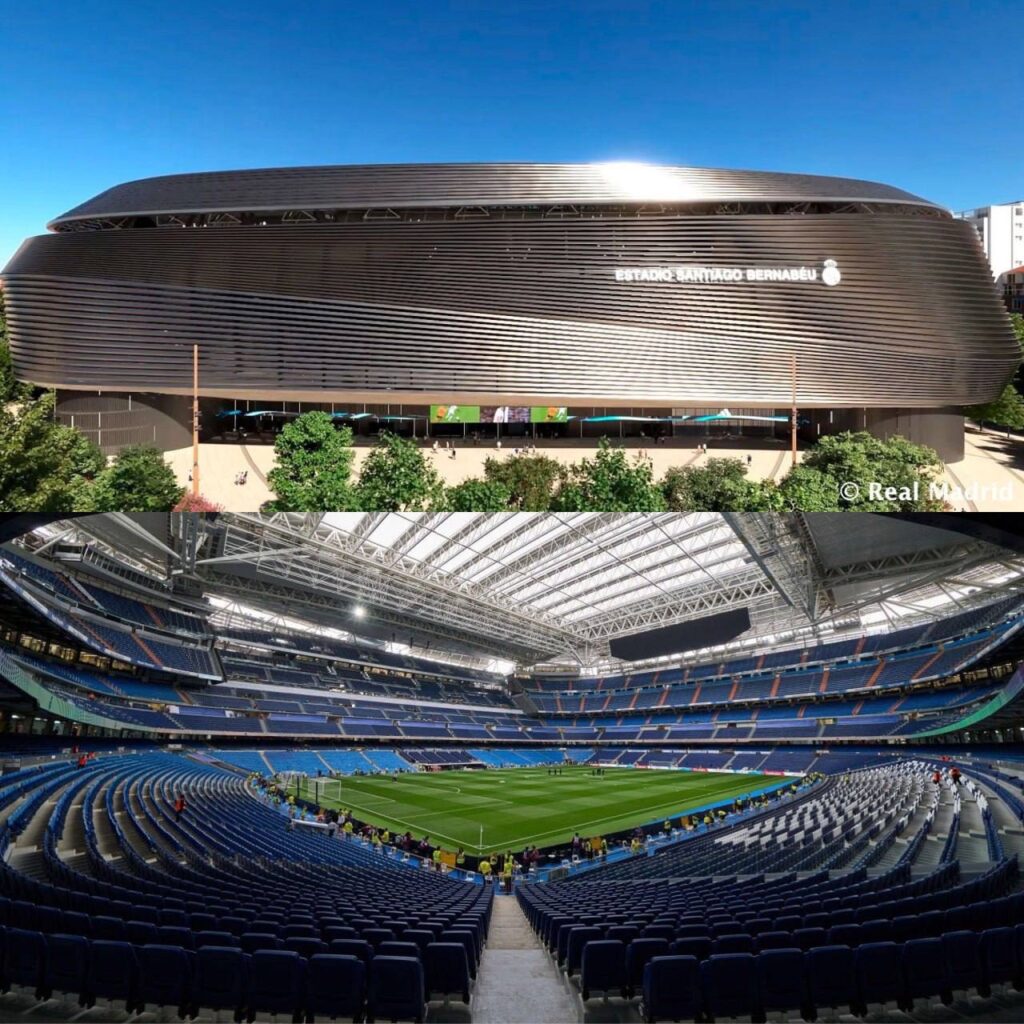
(925,96)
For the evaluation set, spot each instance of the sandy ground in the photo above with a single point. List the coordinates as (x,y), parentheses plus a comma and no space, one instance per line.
(992,465)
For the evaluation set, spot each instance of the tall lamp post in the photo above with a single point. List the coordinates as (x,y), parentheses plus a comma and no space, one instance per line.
(195,421)
(792,431)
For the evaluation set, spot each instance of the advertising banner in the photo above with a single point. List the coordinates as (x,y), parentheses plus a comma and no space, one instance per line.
(499,414)
(504,414)
(455,414)
(549,414)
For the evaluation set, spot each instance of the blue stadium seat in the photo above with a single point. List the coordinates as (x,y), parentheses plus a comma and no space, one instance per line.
(877,930)
(774,940)
(446,969)
(638,952)
(465,937)
(396,989)
(201,939)
(221,980)
(603,968)
(139,933)
(780,980)
(252,941)
(906,927)
(277,983)
(336,986)
(734,943)
(307,947)
(729,985)
(879,973)
(672,989)
(24,959)
(77,923)
(997,949)
(398,949)
(375,936)
(358,948)
(961,951)
(844,935)
(924,970)
(67,965)
(700,948)
(113,972)
(830,977)
(176,935)
(810,938)
(110,928)
(165,977)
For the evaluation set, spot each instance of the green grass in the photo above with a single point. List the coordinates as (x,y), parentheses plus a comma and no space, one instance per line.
(520,807)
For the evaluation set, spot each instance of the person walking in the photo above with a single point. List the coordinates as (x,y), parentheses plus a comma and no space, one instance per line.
(179,807)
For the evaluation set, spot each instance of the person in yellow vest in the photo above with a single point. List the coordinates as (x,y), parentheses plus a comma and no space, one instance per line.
(604,848)
(507,874)
(707,821)
(485,870)
(667,827)
(386,838)
(377,847)
(348,826)
(436,858)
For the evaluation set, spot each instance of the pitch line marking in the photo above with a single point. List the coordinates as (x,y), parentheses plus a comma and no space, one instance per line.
(515,843)
(597,821)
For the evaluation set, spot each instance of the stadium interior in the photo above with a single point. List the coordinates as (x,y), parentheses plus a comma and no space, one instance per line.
(394,766)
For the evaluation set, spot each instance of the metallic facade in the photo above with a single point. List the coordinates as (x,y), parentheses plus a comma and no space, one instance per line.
(497,283)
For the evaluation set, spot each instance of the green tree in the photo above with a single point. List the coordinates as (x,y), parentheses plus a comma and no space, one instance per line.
(719,485)
(314,467)
(609,482)
(1007,410)
(396,477)
(529,479)
(138,480)
(1017,319)
(851,464)
(809,490)
(476,495)
(44,466)
(8,382)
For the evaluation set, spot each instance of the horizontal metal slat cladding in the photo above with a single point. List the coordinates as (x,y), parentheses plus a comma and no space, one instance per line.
(508,310)
(372,185)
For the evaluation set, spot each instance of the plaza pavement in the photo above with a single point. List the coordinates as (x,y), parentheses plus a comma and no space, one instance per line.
(991,462)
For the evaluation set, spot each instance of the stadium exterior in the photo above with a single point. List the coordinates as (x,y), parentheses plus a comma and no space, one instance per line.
(619,289)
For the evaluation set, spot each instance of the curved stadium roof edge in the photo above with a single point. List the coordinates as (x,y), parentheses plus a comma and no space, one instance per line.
(484,184)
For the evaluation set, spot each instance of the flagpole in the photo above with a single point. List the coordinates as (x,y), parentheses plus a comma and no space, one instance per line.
(793,424)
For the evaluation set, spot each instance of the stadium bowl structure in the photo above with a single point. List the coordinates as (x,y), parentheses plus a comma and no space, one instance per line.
(611,287)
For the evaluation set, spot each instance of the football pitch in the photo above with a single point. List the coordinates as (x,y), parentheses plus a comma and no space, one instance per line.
(519,807)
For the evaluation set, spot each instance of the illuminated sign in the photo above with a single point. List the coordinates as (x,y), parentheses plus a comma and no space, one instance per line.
(690,274)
